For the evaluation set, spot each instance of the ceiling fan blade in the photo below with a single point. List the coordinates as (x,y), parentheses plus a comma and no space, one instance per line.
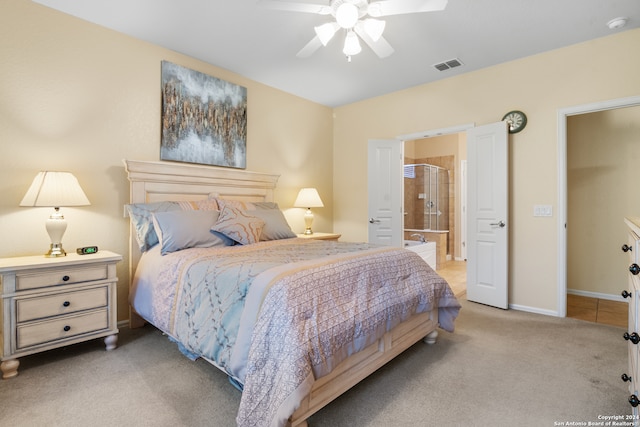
(399,7)
(313,45)
(320,9)
(381,47)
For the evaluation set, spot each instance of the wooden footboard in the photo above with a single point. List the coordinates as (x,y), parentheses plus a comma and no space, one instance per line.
(362,364)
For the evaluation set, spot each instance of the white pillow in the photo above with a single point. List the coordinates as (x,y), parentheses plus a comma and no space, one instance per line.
(179,230)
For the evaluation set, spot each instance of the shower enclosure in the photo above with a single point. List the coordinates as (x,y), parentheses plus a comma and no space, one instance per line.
(426,197)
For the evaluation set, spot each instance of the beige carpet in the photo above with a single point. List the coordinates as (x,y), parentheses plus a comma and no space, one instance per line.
(500,368)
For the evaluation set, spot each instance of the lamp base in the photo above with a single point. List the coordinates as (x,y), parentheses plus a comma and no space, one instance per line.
(56,225)
(308,220)
(55,251)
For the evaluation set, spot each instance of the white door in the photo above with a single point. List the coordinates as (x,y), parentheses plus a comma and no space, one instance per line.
(385,192)
(463,210)
(487,214)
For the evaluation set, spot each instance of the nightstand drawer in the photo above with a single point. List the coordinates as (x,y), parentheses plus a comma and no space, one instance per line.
(60,328)
(61,276)
(63,303)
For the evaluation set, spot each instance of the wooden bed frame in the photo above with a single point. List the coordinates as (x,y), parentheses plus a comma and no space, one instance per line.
(163,181)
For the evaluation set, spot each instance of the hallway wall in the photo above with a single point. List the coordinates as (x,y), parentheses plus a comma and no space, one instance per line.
(603,174)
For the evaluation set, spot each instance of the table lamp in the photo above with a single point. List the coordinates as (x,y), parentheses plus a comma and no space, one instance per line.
(308,198)
(55,189)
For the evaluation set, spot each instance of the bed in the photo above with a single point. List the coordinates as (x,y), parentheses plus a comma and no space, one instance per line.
(306,320)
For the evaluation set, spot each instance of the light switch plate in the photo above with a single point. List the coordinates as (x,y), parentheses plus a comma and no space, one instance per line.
(542,210)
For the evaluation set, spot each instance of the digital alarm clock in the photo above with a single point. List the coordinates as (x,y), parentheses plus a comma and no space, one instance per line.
(87,250)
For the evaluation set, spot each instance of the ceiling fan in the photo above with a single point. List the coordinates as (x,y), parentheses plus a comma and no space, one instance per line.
(357,18)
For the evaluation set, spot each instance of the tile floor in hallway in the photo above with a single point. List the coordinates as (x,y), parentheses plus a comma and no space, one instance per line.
(603,311)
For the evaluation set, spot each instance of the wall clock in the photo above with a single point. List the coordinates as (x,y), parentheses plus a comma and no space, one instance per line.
(517,121)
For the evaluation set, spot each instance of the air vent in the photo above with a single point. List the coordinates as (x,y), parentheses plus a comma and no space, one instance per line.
(447,65)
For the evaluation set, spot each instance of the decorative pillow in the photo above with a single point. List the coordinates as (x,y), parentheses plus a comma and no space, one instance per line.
(236,204)
(141,215)
(179,230)
(275,224)
(203,205)
(142,220)
(238,225)
(266,205)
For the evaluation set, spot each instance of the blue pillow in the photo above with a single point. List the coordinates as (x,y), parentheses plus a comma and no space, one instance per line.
(179,230)
(275,224)
(141,215)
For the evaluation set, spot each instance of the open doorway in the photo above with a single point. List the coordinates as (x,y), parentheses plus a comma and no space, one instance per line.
(601,175)
(588,169)
(434,191)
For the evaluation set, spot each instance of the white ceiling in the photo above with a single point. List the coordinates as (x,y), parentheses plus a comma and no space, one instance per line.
(261,44)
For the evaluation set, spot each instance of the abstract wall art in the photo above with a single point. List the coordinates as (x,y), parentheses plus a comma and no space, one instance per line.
(204,119)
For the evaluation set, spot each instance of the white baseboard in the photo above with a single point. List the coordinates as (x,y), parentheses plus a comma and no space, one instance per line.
(535,310)
(569,291)
(596,295)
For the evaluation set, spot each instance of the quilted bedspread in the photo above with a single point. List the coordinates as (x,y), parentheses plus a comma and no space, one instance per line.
(277,315)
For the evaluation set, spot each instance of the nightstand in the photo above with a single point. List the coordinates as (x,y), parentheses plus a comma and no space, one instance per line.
(53,302)
(320,236)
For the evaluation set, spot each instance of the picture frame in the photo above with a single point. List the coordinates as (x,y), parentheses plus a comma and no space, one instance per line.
(204,119)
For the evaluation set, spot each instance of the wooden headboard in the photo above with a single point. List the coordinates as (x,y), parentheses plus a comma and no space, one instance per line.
(164,181)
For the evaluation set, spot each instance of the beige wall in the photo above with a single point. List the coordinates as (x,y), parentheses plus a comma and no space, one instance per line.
(78,97)
(75,96)
(539,85)
(603,173)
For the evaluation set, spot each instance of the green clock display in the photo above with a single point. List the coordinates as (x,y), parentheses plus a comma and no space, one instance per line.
(87,250)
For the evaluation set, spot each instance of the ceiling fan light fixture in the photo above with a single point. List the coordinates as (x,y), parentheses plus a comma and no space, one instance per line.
(347,15)
(325,32)
(351,44)
(374,9)
(374,28)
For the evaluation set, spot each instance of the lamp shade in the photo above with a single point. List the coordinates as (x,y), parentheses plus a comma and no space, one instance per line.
(374,28)
(55,189)
(325,32)
(351,44)
(308,198)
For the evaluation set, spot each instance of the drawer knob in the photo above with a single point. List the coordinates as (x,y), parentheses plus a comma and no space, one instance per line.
(633,337)
(66,303)
(634,269)
(626,294)
(65,278)
(627,248)
(633,399)
(67,328)
(626,378)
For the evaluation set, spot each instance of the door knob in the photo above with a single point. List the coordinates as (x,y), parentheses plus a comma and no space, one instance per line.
(500,224)
(634,269)
(626,294)
(633,337)
(626,248)
(374,221)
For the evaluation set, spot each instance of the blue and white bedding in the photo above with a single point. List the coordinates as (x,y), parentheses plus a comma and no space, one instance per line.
(277,315)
